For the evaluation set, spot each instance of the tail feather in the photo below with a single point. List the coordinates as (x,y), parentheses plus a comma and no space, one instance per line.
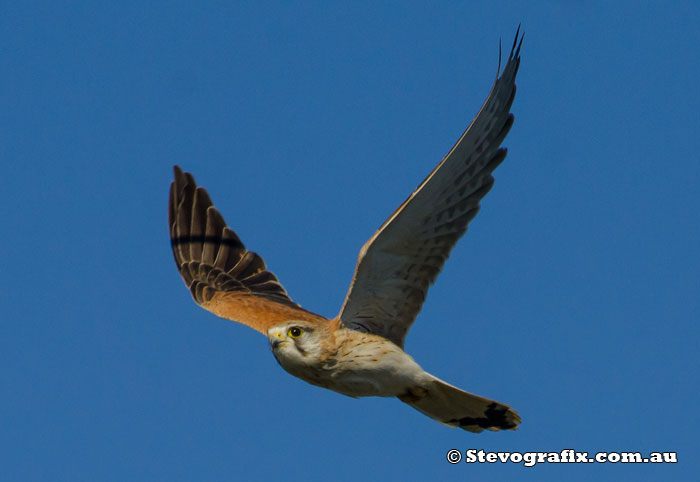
(456,408)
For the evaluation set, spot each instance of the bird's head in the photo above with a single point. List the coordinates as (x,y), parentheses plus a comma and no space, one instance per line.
(296,342)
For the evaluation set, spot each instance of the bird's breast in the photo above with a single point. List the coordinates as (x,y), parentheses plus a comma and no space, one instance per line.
(360,365)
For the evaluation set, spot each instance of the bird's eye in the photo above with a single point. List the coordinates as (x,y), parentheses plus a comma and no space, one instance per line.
(295,332)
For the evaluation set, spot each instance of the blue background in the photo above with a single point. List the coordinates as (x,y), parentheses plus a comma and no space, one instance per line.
(574,296)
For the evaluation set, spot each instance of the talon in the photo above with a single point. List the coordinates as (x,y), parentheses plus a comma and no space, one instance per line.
(413,394)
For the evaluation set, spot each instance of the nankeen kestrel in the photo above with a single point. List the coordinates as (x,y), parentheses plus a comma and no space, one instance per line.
(359,353)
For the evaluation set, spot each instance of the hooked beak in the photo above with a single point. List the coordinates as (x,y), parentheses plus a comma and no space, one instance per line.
(277,341)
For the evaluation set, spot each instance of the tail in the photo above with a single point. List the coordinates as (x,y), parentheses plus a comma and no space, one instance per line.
(456,408)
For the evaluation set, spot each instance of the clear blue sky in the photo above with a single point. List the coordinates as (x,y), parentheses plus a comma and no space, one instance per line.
(574,296)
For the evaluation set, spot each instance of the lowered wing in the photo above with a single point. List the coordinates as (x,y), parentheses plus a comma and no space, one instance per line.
(222,275)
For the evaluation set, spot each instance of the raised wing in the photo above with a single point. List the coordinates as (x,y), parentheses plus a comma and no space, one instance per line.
(400,262)
(222,275)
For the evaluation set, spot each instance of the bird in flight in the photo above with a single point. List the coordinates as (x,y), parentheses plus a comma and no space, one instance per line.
(360,352)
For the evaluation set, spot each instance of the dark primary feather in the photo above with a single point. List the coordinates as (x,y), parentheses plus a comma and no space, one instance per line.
(209,255)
